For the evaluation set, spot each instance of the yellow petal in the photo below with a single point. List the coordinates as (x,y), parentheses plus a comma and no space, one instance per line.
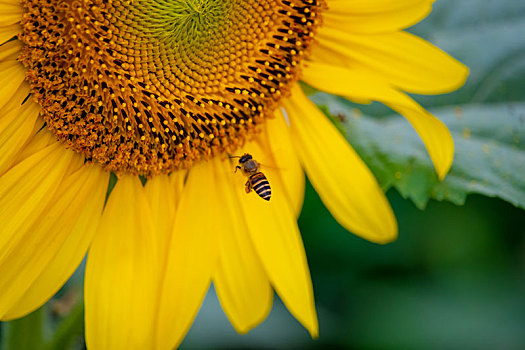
(192,257)
(284,158)
(10,50)
(344,183)
(27,194)
(15,101)
(10,12)
(12,74)
(241,283)
(360,84)
(10,2)
(273,230)
(404,60)
(57,242)
(9,31)
(163,194)
(122,272)
(26,190)
(162,199)
(177,179)
(16,127)
(42,139)
(365,16)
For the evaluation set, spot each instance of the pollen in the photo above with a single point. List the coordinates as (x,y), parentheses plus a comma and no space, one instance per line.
(149,86)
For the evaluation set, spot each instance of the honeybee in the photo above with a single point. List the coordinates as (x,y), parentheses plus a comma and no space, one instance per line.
(257,181)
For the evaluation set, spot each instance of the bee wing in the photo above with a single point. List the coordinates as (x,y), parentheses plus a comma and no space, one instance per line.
(274,167)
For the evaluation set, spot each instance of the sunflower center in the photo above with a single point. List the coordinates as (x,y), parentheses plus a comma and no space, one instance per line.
(151,86)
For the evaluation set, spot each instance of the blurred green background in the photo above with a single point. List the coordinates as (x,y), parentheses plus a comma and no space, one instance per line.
(455,278)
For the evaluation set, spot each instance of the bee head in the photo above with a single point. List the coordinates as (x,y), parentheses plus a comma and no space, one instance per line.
(245,157)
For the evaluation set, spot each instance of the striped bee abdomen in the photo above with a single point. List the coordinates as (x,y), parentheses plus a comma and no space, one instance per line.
(261,186)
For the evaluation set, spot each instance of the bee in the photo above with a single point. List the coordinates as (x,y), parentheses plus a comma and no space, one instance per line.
(257,181)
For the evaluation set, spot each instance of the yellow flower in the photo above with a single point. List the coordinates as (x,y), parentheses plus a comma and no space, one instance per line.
(167,90)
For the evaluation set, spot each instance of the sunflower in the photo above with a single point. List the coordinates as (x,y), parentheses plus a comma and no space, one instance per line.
(161,94)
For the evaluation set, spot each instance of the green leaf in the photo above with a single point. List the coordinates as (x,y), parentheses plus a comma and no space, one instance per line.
(484,36)
(25,333)
(489,152)
(487,37)
(69,330)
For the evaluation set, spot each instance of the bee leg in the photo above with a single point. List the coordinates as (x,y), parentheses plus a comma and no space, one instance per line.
(237,168)
(248,186)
